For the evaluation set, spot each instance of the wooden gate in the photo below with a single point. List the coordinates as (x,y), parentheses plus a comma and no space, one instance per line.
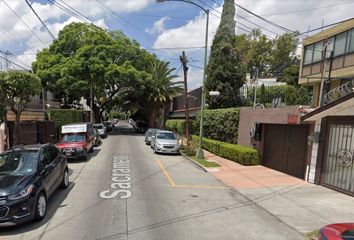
(338,165)
(285,148)
(33,132)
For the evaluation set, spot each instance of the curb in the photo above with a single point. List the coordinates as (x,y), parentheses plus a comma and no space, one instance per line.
(196,163)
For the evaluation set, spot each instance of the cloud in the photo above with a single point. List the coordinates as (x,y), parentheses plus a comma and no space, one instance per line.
(192,34)
(158,26)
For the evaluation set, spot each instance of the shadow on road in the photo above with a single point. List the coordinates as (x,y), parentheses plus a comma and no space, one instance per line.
(89,157)
(54,202)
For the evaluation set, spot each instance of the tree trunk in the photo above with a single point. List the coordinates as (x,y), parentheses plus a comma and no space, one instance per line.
(96,113)
(17,132)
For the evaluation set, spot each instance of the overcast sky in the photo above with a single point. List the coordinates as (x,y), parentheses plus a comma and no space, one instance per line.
(157,26)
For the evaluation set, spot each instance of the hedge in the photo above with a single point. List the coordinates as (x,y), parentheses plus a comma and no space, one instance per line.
(61,117)
(237,153)
(289,94)
(176,125)
(219,124)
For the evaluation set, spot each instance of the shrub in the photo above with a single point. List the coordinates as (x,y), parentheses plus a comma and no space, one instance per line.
(241,154)
(176,125)
(219,124)
(61,117)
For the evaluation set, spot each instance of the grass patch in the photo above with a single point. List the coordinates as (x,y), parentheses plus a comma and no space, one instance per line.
(205,163)
(312,235)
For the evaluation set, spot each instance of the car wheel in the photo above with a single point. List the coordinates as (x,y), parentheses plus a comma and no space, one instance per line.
(65,181)
(155,150)
(41,207)
(91,149)
(85,156)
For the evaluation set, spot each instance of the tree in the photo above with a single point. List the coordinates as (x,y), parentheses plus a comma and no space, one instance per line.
(86,56)
(225,73)
(18,88)
(159,89)
(303,97)
(273,58)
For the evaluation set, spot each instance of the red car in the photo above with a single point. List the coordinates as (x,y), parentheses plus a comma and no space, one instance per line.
(339,231)
(77,140)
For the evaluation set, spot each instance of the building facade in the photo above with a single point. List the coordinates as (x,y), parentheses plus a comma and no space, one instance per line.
(328,67)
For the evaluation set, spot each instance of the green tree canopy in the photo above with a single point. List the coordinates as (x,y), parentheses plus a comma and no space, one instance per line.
(225,73)
(17,89)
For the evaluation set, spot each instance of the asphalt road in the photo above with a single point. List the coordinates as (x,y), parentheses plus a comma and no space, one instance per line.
(124,191)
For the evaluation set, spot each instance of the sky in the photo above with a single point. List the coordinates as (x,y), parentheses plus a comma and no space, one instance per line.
(166,28)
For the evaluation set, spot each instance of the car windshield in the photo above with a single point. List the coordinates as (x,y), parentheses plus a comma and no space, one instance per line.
(348,235)
(74,138)
(23,162)
(166,135)
(98,126)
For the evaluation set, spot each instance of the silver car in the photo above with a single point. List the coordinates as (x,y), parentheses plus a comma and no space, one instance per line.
(148,135)
(101,129)
(165,142)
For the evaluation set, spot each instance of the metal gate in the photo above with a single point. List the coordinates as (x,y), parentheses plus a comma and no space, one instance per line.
(338,169)
(285,148)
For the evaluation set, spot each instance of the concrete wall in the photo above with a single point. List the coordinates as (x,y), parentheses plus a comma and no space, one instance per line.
(250,116)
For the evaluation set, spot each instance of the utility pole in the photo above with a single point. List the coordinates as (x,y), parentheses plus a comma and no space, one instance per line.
(184,62)
(324,66)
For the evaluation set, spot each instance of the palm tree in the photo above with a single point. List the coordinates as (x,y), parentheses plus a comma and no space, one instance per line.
(160,89)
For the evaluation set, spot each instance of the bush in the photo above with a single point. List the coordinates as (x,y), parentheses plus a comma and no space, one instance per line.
(219,124)
(237,153)
(61,117)
(241,154)
(289,94)
(176,125)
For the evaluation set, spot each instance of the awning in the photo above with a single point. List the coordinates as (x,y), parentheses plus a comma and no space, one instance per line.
(343,106)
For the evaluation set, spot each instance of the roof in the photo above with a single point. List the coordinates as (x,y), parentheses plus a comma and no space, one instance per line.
(338,28)
(323,111)
(164,131)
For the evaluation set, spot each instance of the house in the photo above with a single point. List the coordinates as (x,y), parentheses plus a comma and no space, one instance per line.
(176,109)
(328,67)
(34,127)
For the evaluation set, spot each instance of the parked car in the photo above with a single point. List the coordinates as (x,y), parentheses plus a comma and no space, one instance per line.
(140,126)
(77,140)
(165,142)
(109,126)
(98,139)
(148,134)
(339,231)
(29,174)
(101,129)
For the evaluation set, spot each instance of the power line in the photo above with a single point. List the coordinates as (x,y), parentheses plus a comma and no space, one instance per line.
(264,19)
(6,59)
(148,36)
(305,10)
(13,11)
(237,15)
(39,18)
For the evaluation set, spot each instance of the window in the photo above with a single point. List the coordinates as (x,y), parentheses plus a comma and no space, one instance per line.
(45,158)
(53,152)
(317,51)
(350,45)
(330,47)
(339,45)
(308,54)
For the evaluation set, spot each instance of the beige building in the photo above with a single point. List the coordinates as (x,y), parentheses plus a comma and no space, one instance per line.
(329,53)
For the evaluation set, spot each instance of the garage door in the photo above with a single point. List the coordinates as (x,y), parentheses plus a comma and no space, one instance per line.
(285,148)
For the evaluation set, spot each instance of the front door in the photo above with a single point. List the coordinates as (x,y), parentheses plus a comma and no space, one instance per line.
(338,169)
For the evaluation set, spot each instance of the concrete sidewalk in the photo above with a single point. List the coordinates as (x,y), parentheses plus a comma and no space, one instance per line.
(301,205)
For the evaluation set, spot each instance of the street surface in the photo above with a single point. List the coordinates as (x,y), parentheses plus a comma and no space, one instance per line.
(125,191)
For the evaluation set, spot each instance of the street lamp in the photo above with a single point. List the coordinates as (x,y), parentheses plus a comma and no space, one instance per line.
(200,153)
